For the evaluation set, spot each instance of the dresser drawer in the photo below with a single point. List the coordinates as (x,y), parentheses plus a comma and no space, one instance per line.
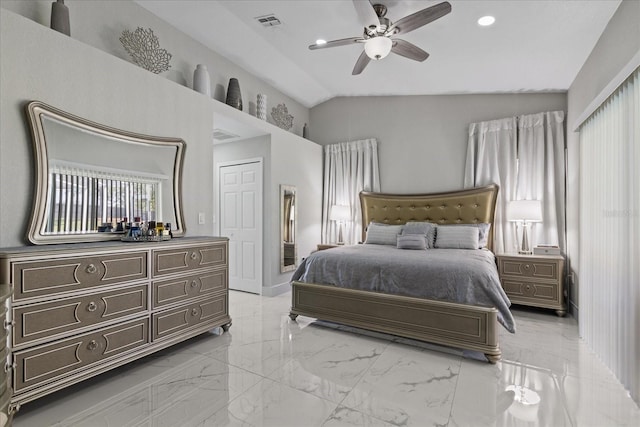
(172,321)
(173,291)
(523,291)
(62,316)
(38,278)
(63,358)
(541,269)
(178,260)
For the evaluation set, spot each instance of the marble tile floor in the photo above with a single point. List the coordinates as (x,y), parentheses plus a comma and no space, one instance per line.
(270,371)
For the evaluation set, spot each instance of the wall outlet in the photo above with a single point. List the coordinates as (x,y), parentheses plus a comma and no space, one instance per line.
(201,218)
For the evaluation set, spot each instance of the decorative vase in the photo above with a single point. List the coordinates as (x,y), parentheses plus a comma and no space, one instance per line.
(234,98)
(261,107)
(201,81)
(60,17)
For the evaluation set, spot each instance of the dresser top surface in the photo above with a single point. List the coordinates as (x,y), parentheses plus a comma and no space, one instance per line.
(530,256)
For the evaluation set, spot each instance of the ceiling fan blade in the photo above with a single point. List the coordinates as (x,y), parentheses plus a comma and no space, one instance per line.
(336,43)
(420,18)
(408,50)
(361,63)
(366,14)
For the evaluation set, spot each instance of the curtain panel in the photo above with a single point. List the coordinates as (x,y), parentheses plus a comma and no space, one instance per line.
(349,168)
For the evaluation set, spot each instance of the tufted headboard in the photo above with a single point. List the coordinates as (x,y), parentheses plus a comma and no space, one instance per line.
(471,206)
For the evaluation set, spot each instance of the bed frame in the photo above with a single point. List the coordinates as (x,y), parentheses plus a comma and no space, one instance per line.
(463,326)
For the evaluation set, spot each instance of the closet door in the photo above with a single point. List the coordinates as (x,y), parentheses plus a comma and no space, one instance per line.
(241,221)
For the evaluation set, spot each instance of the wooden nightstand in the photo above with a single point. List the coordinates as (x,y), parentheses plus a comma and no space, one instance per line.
(534,280)
(322,247)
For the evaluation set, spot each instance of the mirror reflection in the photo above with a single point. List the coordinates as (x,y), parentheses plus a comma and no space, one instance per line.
(288,249)
(92,180)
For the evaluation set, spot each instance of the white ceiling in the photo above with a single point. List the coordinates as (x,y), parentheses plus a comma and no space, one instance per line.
(533,46)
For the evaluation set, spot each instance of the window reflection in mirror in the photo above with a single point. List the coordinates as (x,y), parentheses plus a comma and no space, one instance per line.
(288,250)
(91,178)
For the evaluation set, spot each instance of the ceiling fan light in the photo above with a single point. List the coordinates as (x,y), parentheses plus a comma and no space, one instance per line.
(378,47)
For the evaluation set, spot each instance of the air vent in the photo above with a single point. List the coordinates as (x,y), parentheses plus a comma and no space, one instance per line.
(221,135)
(268,20)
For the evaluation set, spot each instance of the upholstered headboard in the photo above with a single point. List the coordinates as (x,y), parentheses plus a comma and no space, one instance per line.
(471,206)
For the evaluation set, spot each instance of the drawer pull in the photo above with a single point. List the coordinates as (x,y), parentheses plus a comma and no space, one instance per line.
(10,367)
(527,266)
(92,306)
(8,324)
(194,256)
(92,345)
(194,284)
(91,269)
(194,311)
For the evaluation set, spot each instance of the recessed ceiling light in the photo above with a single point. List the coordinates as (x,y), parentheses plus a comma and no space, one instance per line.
(485,21)
(321,41)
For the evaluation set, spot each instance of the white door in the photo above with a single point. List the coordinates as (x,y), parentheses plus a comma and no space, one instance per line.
(241,221)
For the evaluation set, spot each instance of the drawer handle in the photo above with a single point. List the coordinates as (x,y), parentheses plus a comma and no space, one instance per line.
(92,306)
(8,324)
(194,311)
(10,367)
(92,345)
(194,284)
(193,256)
(527,266)
(91,269)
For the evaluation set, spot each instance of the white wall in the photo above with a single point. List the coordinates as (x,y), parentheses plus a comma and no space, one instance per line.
(100,23)
(422,140)
(619,42)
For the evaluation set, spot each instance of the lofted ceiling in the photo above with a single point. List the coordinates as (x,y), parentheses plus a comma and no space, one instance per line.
(534,45)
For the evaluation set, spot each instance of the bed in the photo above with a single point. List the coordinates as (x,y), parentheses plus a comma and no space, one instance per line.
(470,326)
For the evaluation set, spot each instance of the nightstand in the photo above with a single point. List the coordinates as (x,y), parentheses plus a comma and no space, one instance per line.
(534,280)
(322,247)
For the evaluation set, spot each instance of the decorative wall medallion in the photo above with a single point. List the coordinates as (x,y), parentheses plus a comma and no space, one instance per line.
(281,117)
(144,48)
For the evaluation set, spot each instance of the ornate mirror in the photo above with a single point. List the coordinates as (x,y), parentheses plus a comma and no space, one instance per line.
(288,250)
(90,178)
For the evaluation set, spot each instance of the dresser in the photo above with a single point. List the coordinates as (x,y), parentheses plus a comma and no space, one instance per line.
(78,310)
(534,280)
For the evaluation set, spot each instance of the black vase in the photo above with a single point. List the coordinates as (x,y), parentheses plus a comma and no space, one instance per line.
(60,17)
(233,94)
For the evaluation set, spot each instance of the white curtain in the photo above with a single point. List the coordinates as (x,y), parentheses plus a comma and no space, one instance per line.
(610,233)
(349,168)
(524,156)
(541,173)
(491,159)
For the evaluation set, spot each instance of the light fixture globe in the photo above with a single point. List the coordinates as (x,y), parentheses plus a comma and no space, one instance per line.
(378,47)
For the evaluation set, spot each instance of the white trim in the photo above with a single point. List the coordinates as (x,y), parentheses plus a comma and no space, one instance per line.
(626,71)
(275,290)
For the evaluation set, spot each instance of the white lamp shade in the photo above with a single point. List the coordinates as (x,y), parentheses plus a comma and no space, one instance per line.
(524,210)
(378,47)
(340,213)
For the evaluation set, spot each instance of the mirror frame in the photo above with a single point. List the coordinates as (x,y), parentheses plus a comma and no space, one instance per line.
(285,268)
(35,112)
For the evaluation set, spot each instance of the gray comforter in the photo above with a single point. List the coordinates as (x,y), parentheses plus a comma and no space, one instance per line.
(457,275)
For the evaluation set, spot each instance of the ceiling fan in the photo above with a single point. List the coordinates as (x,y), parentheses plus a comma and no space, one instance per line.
(378,32)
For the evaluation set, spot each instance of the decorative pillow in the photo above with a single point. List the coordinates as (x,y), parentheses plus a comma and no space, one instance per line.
(457,237)
(425,228)
(412,241)
(382,234)
(483,232)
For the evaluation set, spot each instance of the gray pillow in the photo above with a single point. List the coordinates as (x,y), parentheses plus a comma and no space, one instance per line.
(412,241)
(483,231)
(382,234)
(457,237)
(420,227)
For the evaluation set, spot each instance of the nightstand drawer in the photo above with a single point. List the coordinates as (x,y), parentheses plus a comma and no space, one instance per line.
(540,269)
(518,290)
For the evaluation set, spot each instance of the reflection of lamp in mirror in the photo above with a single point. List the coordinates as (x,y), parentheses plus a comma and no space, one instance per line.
(340,214)
(524,212)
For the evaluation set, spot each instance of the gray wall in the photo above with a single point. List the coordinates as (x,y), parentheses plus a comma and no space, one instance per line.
(617,45)
(99,23)
(422,139)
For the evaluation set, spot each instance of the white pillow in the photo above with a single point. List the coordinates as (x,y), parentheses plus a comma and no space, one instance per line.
(421,227)
(412,241)
(457,237)
(382,234)
(483,230)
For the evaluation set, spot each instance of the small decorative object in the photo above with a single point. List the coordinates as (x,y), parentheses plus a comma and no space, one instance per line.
(201,81)
(60,17)
(234,98)
(281,117)
(261,107)
(144,48)
(305,131)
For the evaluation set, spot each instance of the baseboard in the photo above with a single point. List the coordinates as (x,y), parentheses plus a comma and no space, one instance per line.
(574,310)
(275,290)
